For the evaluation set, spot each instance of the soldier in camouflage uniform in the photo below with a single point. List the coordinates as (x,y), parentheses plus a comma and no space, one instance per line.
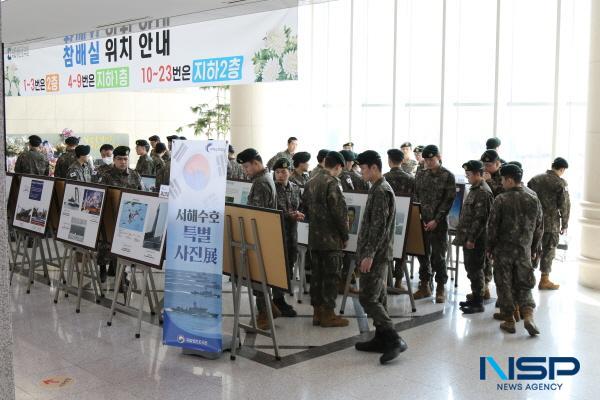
(350,180)
(262,194)
(471,233)
(374,255)
(65,160)
(300,174)
(402,184)
(145,165)
(435,190)
(292,145)
(154,140)
(33,161)
(328,236)
(106,155)
(494,144)
(288,201)
(408,164)
(234,169)
(80,170)
(491,174)
(119,174)
(553,193)
(515,229)
(419,158)
(321,160)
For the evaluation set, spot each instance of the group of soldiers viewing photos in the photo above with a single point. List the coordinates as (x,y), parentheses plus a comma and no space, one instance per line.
(506,228)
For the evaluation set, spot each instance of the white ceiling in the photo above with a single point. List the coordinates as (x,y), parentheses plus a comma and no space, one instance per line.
(32,21)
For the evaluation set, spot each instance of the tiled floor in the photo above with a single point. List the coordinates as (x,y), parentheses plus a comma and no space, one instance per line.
(442,361)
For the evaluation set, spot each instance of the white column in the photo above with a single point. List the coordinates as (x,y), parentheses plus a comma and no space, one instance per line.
(589,260)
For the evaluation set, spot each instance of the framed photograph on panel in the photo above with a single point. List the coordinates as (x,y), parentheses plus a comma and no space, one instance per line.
(33,204)
(80,214)
(141,228)
(403,209)
(237,191)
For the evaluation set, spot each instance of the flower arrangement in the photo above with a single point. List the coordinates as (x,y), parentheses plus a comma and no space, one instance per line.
(11,81)
(278,60)
(15,146)
(66,133)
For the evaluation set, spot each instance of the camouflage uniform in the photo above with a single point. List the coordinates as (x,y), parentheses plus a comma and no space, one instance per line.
(376,241)
(282,154)
(515,228)
(328,231)
(316,170)
(235,171)
(80,172)
(435,191)
(128,178)
(409,166)
(63,163)
(99,171)
(158,163)
(32,162)
(351,182)
(145,166)
(163,175)
(472,228)
(299,179)
(495,183)
(402,183)
(553,193)
(288,200)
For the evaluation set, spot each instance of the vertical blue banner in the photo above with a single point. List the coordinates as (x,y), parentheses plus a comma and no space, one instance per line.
(194,259)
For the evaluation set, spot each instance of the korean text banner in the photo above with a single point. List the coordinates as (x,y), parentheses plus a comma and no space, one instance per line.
(237,50)
(194,260)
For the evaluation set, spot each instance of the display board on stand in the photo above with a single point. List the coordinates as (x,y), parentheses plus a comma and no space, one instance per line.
(33,204)
(237,191)
(455,210)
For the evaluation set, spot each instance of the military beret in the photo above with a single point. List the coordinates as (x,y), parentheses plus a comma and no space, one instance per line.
(72,141)
(121,151)
(170,138)
(559,163)
(106,146)
(230,149)
(337,156)
(322,154)
(82,150)
(418,149)
(490,156)
(154,138)
(517,163)
(348,144)
(492,143)
(181,138)
(160,147)
(281,163)
(142,142)
(406,144)
(473,165)
(301,157)
(35,140)
(395,155)
(368,157)
(348,155)
(247,156)
(430,151)
(511,171)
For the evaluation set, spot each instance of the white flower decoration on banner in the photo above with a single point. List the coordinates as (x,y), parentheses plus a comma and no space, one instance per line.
(271,70)
(276,40)
(290,64)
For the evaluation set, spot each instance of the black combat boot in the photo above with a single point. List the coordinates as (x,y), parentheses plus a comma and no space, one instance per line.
(475,306)
(393,345)
(286,309)
(375,345)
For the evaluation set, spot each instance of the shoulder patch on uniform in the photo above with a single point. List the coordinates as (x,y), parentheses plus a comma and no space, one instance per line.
(73,174)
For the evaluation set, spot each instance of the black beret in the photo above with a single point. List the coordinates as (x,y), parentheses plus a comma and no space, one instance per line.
(418,149)
(160,147)
(82,150)
(559,163)
(339,159)
(182,138)
(231,150)
(518,164)
(301,157)
(395,155)
(430,151)
(493,143)
(511,171)
(406,144)
(281,163)
(322,154)
(106,146)
(490,156)
(35,140)
(142,142)
(348,155)
(170,138)
(473,165)
(121,151)
(247,156)
(72,141)
(154,138)
(368,157)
